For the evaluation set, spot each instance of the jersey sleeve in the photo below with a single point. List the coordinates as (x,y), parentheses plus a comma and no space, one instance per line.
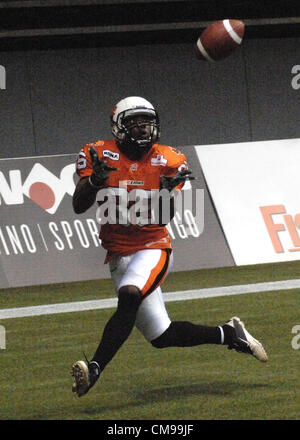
(84,166)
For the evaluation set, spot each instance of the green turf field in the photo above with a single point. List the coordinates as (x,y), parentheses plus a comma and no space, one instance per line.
(144,383)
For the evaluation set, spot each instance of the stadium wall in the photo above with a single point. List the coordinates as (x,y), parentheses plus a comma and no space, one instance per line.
(57,100)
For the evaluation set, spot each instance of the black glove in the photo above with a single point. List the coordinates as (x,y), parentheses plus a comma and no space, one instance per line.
(169,183)
(100,169)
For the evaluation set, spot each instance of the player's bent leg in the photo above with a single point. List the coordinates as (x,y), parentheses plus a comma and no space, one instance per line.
(120,325)
(135,277)
(233,334)
(129,299)
(146,269)
(115,333)
(187,334)
(152,318)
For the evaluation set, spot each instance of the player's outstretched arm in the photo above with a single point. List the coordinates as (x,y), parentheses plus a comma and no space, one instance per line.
(84,195)
(87,187)
(169,184)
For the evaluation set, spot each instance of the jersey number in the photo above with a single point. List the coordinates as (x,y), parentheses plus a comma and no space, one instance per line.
(81,161)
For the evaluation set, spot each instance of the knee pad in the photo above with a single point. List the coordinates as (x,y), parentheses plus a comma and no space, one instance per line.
(130,298)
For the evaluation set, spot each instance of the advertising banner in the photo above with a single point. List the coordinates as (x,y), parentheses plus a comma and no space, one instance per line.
(43,241)
(255,189)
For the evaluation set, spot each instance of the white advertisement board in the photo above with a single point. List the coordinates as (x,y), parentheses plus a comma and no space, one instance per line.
(255,188)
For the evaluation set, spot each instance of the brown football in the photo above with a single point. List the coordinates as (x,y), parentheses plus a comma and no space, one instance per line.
(220,39)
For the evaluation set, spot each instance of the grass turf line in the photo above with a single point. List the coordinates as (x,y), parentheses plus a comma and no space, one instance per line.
(196,279)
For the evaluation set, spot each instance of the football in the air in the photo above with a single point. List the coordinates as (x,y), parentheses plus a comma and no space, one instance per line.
(220,39)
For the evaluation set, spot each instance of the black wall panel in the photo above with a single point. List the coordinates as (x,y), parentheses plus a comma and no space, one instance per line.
(73,93)
(57,100)
(16,113)
(199,102)
(273,103)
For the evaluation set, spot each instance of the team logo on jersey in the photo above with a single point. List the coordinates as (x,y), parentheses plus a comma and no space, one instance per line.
(111,154)
(159,160)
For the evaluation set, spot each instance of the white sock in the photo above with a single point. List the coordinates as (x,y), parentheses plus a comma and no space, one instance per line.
(222,334)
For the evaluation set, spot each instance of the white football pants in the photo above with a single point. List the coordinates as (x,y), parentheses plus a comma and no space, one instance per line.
(145,269)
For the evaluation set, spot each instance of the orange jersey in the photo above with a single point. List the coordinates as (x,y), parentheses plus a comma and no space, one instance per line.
(145,173)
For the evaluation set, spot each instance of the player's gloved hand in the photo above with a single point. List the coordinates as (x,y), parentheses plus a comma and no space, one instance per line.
(100,169)
(169,183)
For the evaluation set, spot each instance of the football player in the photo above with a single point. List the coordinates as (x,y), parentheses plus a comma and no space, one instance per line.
(140,255)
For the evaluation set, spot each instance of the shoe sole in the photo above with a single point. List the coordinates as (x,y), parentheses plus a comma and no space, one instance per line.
(80,373)
(256,347)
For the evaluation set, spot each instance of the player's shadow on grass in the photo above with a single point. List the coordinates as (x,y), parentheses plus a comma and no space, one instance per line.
(170,393)
(214,388)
